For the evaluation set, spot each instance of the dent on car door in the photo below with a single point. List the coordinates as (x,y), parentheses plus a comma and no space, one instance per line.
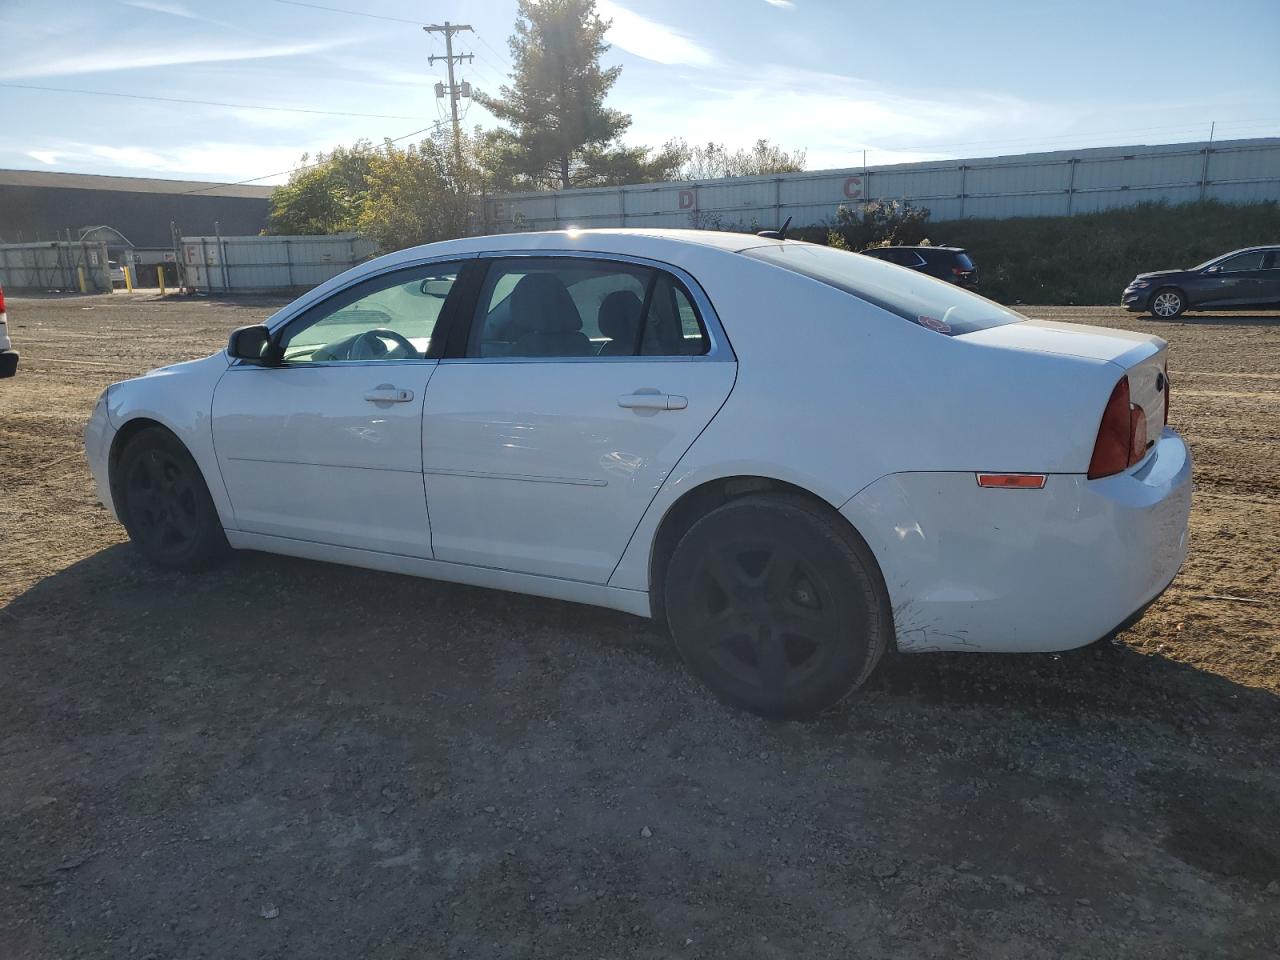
(581,384)
(326,446)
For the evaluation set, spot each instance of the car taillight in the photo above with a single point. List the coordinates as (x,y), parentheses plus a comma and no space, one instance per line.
(1122,435)
(959,271)
(1,299)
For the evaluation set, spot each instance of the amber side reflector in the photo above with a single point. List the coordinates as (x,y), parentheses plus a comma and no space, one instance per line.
(1012,481)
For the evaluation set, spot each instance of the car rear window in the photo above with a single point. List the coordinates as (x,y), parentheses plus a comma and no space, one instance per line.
(931,303)
(962,258)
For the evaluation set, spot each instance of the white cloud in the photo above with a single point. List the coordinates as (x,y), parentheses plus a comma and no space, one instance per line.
(833,117)
(44,156)
(651,40)
(210,160)
(101,59)
(178,10)
(781,4)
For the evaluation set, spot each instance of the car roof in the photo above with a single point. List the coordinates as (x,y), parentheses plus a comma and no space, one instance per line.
(615,240)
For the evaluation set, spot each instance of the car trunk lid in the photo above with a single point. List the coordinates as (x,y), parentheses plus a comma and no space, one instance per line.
(1139,356)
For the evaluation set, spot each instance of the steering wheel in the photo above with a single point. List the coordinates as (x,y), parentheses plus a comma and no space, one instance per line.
(371,345)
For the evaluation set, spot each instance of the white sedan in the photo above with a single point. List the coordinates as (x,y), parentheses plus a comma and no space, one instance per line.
(794,456)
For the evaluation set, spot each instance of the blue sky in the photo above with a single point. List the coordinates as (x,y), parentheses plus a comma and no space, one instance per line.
(903,81)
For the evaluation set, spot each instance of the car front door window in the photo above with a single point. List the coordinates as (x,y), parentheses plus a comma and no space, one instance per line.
(389,317)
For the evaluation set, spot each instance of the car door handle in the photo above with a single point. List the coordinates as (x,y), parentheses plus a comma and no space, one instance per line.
(385,393)
(653,401)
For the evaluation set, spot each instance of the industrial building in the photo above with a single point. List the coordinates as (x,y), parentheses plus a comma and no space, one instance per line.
(131,214)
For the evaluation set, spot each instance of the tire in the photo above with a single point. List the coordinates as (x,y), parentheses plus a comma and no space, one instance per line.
(1167,303)
(776,606)
(165,504)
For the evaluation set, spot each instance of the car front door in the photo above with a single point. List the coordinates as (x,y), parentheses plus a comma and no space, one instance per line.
(327,446)
(1234,282)
(582,382)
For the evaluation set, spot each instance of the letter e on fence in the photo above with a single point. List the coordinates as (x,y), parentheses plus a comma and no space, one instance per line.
(853,187)
(686,199)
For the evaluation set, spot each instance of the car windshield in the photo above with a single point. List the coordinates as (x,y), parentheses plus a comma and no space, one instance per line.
(914,296)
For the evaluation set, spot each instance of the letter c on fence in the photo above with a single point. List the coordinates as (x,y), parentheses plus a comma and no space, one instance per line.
(853,187)
(686,199)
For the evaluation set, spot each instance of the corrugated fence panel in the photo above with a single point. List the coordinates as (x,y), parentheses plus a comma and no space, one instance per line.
(55,265)
(258,264)
(1038,184)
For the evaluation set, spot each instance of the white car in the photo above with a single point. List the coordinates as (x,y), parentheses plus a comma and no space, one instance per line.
(794,456)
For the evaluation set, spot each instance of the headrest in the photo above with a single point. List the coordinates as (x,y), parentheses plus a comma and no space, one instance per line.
(619,315)
(540,303)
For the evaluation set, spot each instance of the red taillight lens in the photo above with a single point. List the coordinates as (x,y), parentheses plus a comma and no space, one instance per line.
(1,299)
(1115,434)
(959,271)
(1122,435)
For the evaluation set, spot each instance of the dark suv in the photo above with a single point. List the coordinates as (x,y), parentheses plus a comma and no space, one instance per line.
(945,263)
(1248,278)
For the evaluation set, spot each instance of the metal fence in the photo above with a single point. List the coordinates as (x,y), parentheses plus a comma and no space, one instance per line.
(266,264)
(55,265)
(1062,183)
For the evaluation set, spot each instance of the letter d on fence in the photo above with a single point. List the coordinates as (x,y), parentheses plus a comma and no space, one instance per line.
(686,199)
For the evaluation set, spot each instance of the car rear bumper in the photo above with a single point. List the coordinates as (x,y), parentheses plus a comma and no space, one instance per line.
(8,363)
(971,568)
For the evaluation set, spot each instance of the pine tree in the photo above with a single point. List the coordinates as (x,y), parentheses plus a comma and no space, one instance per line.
(561,134)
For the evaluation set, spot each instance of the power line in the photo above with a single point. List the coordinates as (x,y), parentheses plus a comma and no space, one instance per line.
(209,103)
(500,56)
(354,13)
(305,166)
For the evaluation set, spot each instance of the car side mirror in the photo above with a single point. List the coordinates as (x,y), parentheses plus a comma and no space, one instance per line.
(254,345)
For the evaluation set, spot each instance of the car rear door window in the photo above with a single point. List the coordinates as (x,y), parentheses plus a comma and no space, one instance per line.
(935,304)
(563,307)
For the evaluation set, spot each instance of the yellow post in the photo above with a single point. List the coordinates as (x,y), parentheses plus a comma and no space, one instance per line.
(84,287)
(128,279)
(160,277)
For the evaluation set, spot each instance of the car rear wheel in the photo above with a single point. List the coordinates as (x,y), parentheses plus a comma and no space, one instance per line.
(1168,303)
(777,605)
(165,505)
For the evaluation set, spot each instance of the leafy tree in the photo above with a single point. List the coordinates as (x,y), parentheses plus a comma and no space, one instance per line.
(880,223)
(323,196)
(420,194)
(712,161)
(560,133)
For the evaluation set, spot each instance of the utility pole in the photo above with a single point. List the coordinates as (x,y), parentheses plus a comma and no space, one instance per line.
(455,90)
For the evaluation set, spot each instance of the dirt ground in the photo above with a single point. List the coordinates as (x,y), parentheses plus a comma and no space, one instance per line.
(291,759)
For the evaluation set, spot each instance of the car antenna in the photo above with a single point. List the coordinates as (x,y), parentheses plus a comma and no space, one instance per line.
(780,234)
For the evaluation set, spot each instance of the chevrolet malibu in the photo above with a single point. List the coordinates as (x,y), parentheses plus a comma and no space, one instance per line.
(793,456)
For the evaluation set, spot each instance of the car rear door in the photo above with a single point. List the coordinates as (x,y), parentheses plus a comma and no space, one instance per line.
(546,434)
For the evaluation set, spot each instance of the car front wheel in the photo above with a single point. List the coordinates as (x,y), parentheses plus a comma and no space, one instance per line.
(165,505)
(1168,303)
(777,605)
